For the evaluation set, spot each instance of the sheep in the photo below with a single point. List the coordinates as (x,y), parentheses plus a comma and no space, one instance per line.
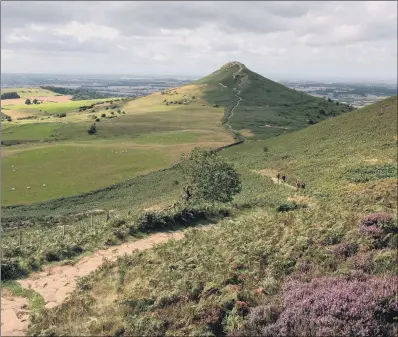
(13,189)
(44,185)
(28,187)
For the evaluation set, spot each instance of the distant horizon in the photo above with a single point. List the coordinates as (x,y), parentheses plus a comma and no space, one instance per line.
(274,77)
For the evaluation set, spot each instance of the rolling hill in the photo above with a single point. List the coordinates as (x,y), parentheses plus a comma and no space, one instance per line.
(278,239)
(259,108)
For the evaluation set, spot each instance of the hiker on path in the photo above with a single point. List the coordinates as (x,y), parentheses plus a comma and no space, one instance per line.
(284,178)
(278,176)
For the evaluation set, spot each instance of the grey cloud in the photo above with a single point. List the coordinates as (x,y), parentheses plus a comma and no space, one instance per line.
(281,35)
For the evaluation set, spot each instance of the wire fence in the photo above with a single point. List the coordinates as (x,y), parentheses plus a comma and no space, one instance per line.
(16,235)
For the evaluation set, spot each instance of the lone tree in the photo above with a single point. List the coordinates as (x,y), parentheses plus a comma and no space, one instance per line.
(28,101)
(209,177)
(92,130)
(35,101)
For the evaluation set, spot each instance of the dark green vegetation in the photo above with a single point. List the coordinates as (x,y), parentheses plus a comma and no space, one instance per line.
(266,108)
(342,236)
(79,93)
(10,95)
(209,177)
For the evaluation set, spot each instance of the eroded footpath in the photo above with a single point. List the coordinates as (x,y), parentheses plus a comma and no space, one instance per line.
(57,281)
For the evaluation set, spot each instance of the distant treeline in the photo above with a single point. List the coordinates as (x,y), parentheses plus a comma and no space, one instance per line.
(80,94)
(10,95)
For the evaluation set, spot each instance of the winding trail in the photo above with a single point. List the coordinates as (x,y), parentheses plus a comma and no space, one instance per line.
(237,95)
(56,282)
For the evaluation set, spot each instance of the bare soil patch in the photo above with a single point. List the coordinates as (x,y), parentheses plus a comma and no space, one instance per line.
(14,317)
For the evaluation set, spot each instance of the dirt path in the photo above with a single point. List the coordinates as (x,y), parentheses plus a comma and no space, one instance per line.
(237,95)
(14,317)
(272,175)
(56,282)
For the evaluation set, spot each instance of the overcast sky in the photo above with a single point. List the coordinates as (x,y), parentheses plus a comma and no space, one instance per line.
(281,40)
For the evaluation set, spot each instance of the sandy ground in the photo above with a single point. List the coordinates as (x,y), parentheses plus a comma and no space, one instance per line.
(56,282)
(14,317)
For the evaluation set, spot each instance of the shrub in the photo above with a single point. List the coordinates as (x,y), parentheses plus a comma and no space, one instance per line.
(265,149)
(290,206)
(27,101)
(329,306)
(112,112)
(62,115)
(107,108)
(97,120)
(92,130)
(211,176)
(103,115)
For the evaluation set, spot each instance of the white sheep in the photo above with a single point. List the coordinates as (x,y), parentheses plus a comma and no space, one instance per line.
(44,185)
(28,187)
(13,189)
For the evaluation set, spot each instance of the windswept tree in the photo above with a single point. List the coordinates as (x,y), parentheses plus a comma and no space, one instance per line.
(208,176)
(27,101)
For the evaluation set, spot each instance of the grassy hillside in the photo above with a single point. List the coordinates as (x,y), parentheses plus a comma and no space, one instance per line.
(133,137)
(239,277)
(266,108)
(210,112)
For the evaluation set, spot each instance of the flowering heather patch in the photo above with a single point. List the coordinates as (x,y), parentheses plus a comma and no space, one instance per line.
(376,219)
(329,306)
(371,230)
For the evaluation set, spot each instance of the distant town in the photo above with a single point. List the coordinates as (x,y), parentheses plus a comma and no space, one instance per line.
(357,95)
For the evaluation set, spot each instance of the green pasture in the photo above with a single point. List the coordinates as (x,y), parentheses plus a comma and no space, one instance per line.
(69,170)
(52,107)
(28,92)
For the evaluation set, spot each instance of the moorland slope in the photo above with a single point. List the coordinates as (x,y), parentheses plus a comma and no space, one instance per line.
(241,277)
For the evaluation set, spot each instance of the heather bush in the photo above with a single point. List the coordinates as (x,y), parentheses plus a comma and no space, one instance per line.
(329,306)
(383,221)
(380,228)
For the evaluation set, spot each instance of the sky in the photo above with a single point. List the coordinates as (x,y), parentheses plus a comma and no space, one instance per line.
(280,40)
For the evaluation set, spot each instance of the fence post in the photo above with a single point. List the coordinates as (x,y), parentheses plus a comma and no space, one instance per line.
(20,237)
(107,217)
(63,230)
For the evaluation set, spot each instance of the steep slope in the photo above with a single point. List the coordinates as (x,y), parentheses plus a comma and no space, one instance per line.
(263,108)
(206,283)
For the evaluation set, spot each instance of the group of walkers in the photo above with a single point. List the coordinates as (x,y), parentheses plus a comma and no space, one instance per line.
(299,184)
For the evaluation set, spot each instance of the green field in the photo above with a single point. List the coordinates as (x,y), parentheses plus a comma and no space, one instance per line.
(51,107)
(198,285)
(93,166)
(145,138)
(28,92)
